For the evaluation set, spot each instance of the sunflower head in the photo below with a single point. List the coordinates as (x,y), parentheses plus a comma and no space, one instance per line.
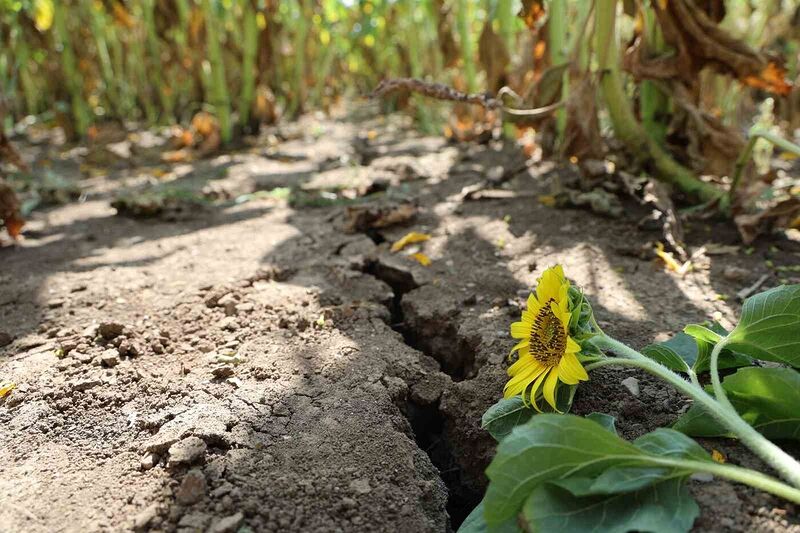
(547,354)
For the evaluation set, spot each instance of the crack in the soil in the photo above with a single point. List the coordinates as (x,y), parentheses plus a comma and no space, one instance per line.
(428,422)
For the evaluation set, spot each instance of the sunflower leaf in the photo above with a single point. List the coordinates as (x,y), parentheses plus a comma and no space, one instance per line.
(505,415)
(767,398)
(666,356)
(586,460)
(665,507)
(770,326)
(693,348)
(476,523)
(607,421)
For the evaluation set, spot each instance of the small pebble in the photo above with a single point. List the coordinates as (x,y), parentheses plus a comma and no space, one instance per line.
(228,524)
(632,384)
(193,488)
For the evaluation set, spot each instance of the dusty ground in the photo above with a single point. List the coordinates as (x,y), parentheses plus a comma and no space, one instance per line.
(251,366)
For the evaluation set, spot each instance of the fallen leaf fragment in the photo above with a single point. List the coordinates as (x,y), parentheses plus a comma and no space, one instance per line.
(718,456)
(410,238)
(421,258)
(6,387)
(547,200)
(670,261)
(364,217)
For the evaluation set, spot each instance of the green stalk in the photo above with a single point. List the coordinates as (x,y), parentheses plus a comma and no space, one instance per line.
(219,91)
(154,49)
(626,128)
(463,19)
(97,23)
(417,69)
(72,77)
(652,100)
(26,82)
(786,466)
(754,135)
(556,39)
(735,473)
(138,62)
(250,45)
(300,35)
(127,98)
(506,20)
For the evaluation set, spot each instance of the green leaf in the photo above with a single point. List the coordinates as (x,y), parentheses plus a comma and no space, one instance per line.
(770,326)
(476,523)
(550,448)
(692,349)
(504,416)
(665,507)
(767,398)
(665,355)
(665,442)
(607,421)
(700,332)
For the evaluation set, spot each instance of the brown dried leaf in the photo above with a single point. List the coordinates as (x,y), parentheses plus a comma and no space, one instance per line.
(10,216)
(712,146)
(781,215)
(365,217)
(582,137)
(547,89)
(9,154)
(493,57)
(531,13)
(444,30)
(699,42)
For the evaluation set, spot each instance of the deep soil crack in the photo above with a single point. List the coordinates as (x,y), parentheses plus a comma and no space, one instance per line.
(427,422)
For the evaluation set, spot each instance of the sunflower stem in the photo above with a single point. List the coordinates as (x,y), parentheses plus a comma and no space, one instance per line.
(786,466)
(737,473)
(716,384)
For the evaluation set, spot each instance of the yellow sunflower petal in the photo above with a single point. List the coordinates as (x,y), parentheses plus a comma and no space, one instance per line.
(533,305)
(570,369)
(562,316)
(572,346)
(524,343)
(549,285)
(536,384)
(521,330)
(563,298)
(550,389)
(523,375)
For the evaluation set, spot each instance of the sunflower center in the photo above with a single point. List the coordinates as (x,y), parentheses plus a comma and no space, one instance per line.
(548,340)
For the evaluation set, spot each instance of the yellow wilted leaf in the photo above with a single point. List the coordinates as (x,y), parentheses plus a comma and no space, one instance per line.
(409,238)
(670,261)
(421,258)
(121,15)
(772,78)
(547,200)
(718,456)
(43,14)
(6,387)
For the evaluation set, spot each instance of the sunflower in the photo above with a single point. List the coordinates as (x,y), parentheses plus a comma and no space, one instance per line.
(547,353)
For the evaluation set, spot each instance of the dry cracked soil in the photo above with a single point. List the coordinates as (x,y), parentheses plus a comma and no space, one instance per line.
(267,365)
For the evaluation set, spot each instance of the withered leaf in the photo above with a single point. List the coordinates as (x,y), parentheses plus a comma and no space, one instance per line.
(531,13)
(690,28)
(493,57)
(364,217)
